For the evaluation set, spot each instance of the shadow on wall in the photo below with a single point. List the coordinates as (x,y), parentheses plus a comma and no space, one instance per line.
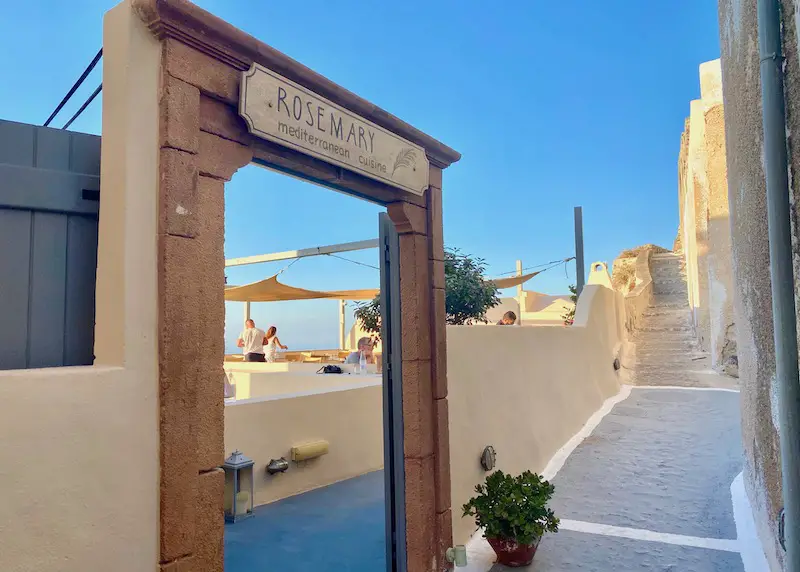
(527,391)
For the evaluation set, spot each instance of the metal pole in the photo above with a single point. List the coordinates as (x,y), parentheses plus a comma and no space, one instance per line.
(341,325)
(520,295)
(303,253)
(246,311)
(780,255)
(580,277)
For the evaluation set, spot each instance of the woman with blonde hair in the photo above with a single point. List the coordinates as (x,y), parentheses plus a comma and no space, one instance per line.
(271,345)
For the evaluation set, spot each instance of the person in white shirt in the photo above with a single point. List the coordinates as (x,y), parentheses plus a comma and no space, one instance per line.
(252,341)
(271,344)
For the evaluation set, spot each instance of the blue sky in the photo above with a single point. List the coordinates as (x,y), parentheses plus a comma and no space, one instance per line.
(552,105)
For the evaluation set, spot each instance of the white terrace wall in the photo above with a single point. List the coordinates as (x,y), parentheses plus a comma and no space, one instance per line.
(350,419)
(527,391)
(80,447)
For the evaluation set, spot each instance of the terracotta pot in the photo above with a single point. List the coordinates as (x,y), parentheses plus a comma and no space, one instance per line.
(512,554)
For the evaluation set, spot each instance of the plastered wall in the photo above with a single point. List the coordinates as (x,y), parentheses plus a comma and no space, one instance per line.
(79,452)
(350,420)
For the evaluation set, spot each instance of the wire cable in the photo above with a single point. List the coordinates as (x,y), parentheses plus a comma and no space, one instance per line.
(84,106)
(561,261)
(287,267)
(77,84)
(353,261)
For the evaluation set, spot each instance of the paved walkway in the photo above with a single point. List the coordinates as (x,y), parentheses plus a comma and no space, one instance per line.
(649,489)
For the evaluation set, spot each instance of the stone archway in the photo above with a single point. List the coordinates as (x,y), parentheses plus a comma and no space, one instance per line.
(202,142)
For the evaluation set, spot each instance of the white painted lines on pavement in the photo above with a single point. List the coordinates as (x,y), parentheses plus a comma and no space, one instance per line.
(750,546)
(649,535)
(686,388)
(557,461)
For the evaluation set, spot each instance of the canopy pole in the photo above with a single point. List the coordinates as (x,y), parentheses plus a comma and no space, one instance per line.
(303,253)
(341,325)
(580,269)
(246,311)
(520,292)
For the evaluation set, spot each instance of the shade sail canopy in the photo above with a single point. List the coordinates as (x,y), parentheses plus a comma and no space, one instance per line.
(503,283)
(270,290)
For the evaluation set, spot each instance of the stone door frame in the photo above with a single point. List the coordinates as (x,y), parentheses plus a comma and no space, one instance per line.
(202,143)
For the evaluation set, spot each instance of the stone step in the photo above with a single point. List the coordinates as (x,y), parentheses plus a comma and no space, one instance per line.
(669,282)
(679,345)
(661,291)
(674,300)
(670,380)
(668,362)
(668,330)
(676,267)
(673,266)
(665,313)
(676,364)
(669,301)
(647,339)
(654,372)
(678,322)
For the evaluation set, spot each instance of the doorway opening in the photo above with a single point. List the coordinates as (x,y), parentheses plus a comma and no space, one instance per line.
(320,495)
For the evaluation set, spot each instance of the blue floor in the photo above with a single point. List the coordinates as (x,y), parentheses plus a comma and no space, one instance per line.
(339,527)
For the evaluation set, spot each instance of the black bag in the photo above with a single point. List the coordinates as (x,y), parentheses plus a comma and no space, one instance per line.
(330,369)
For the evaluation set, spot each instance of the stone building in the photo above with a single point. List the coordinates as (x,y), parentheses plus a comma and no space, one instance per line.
(704,227)
(741,92)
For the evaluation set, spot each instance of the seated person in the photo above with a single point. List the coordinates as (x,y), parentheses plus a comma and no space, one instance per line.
(509,319)
(364,345)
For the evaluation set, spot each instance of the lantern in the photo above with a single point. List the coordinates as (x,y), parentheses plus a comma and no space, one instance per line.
(239,487)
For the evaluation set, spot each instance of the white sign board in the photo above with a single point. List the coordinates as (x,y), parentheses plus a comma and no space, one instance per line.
(286,113)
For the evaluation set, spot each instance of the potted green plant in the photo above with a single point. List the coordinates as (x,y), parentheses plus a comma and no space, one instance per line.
(513,513)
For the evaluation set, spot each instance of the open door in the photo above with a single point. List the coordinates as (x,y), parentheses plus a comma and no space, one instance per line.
(393,467)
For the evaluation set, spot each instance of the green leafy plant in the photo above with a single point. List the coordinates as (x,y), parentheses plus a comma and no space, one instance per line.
(467,295)
(369,314)
(513,508)
(569,316)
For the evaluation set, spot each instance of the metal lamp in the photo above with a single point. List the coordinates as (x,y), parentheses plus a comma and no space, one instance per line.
(239,487)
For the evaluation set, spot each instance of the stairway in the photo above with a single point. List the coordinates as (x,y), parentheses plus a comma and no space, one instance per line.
(666,350)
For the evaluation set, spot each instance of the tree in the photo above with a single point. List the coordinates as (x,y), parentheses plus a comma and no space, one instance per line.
(467,295)
(569,317)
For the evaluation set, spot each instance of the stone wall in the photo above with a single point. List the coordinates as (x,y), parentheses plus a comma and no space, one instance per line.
(704,228)
(678,245)
(752,300)
(722,342)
